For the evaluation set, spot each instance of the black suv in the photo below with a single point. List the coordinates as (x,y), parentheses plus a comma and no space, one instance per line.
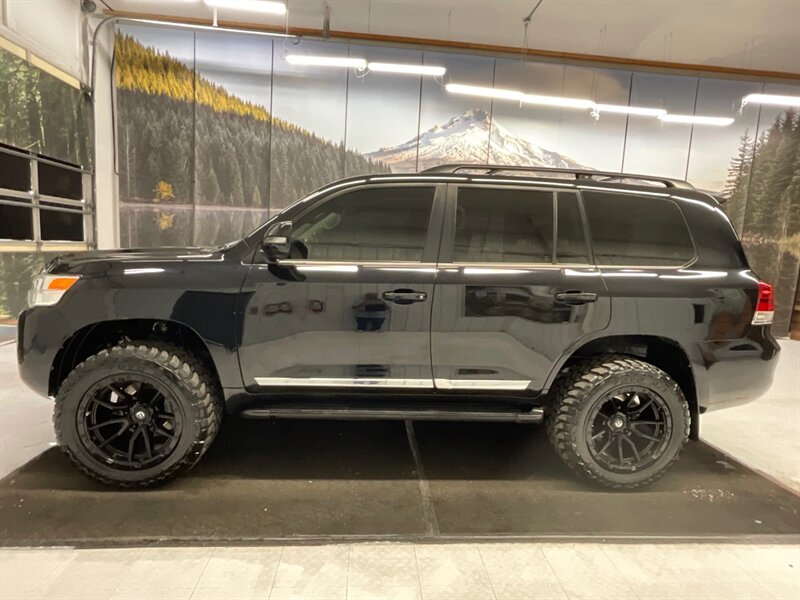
(614,307)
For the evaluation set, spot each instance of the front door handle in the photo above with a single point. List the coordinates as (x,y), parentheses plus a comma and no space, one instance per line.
(405,296)
(575,297)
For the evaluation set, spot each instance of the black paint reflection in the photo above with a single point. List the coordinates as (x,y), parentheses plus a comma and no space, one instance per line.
(533,303)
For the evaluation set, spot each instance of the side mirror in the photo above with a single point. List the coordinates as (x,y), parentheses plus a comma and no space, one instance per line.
(277,241)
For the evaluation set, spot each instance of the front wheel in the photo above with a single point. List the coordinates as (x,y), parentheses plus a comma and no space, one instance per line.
(618,421)
(137,414)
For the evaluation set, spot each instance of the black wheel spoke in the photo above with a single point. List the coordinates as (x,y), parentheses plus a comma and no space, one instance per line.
(108,405)
(132,443)
(633,447)
(164,416)
(605,447)
(106,423)
(163,432)
(122,430)
(148,448)
(619,450)
(638,433)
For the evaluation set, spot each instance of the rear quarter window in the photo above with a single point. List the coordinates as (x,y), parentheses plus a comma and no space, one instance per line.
(631,230)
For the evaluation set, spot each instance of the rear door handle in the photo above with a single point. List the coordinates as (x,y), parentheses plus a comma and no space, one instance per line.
(405,296)
(575,297)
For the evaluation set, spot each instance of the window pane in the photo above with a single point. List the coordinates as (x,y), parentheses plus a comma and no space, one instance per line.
(504,225)
(634,230)
(59,225)
(60,182)
(15,172)
(16,222)
(571,242)
(372,224)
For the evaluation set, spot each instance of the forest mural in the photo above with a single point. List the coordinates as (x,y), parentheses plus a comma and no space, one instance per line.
(218,131)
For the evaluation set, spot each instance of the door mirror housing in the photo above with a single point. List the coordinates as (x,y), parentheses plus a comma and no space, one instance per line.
(277,242)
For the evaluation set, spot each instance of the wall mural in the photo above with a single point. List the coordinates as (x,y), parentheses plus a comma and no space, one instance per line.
(217,130)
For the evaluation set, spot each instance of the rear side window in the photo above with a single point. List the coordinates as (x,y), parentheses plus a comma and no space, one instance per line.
(630,230)
(503,226)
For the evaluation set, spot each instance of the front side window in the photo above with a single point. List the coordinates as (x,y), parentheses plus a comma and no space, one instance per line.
(630,230)
(373,224)
(499,225)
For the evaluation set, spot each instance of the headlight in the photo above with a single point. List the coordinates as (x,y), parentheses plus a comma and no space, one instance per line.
(48,289)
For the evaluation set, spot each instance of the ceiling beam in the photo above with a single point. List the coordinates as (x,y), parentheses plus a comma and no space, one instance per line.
(546,55)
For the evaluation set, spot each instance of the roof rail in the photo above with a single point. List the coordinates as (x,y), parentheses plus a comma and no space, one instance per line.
(586,174)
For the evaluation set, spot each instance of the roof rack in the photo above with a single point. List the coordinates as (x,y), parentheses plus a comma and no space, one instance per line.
(579,174)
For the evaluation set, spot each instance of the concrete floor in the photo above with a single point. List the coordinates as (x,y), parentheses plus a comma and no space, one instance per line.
(764,434)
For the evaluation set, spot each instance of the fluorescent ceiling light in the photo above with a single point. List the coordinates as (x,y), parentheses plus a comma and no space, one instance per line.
(558,101)
(406,69)
(772,99)
(264,6)
(326,61)
(484,92)
(696,120)
(631,110)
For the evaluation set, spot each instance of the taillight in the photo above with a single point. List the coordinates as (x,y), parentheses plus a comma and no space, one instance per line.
(765,305)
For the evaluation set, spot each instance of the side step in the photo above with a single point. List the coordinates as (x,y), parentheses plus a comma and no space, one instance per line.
(533,415)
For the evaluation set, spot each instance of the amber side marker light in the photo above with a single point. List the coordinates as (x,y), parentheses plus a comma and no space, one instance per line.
(49,289)
(765,305)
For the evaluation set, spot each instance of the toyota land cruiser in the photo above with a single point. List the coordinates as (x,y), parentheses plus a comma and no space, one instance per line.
(617,308)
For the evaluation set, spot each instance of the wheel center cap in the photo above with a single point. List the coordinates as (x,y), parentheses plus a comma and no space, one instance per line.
(617,422)
(140,414)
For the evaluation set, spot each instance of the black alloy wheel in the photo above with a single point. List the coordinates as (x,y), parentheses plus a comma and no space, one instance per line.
(628,429)
(129,421)
(618,421)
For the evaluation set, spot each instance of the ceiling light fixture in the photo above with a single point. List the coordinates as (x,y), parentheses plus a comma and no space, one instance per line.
(696,120)
(631,110)
(771,99)
(579,103)
(484,92)
(407,69)
(327,61)
(263,6)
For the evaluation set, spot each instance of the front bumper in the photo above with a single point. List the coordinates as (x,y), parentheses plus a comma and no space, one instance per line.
(41,332)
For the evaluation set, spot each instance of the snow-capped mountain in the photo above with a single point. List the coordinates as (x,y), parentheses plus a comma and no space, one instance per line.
(467,138)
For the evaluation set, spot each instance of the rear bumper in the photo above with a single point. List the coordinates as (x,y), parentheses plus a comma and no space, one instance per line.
(736,371)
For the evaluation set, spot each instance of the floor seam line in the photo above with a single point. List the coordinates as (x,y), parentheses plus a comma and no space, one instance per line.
(428,509)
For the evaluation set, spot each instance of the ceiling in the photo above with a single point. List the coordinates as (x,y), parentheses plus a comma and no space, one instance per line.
(748,34)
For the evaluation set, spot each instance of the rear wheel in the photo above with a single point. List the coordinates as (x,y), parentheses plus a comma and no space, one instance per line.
(138,414)
(618,421)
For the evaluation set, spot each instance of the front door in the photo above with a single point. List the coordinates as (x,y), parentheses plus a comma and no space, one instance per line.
(352,307)
(515,287)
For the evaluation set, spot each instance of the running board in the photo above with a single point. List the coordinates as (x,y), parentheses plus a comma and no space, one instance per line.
(534,415)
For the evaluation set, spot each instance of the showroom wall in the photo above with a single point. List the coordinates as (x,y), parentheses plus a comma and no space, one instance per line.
(217,130)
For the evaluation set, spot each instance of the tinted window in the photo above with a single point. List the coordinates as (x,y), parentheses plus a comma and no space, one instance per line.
(571,241)
(15,172)
(16,222)
(60,182)
(60,225)
(381,223)
(503,225)
(637,230)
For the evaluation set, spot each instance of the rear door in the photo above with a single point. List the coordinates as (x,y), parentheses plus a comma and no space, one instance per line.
(355,310)
(515,287)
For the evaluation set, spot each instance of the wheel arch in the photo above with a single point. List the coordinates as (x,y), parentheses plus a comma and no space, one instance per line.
(103,334)
(665,353)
